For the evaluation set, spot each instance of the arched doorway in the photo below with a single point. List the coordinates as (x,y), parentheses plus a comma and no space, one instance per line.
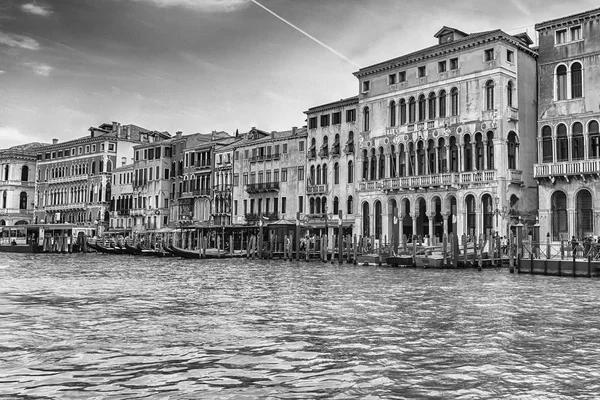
(488,215)
(585,214)
(366,221)
(393,221)
(471,215)
(422,219)
(451,208)
(407,228)
(560,227)
(438,220)
(378,220)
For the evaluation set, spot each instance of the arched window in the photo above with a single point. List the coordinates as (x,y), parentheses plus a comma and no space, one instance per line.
(381,171)
(576,81)
(431,106)
(336,205)
(4,199)
(93,167)
(454,101)
(431,157)
(512,150)
(350,172)
(324,205)
(594,139)
(488,213)
(378,220)
(420,158)
(479,152)
(442,156)
(442,102)
(412,106)
(402,170)
(422,103)
(25,173)
(366,119)
(365,165)
(393,113)
(336,173)
(560,227)
(23,201)
(350,206)
(509,93)
(402,112)
(562,143)
(393,161)
(6,170)
(373,169)
(471,215)
(108,166)
(324,174)
(585,214)
(547,144)
(577,141)
(319,175)
(311,177)
(468,153)
(312,205)
(561,82)
(490,150)
(489,95)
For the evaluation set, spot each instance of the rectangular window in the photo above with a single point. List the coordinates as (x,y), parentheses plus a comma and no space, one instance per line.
(351,115)
(300,173)
(276,175)
(252,178)
(150,154)
(236,155)
(157,173)
(236,179)
(561,36)
(366,86)
(80,150)
(267,205)
(421,72)
(166,173)
(284,175)
(489,55)
(246,152)
(275,205)
(245,178)
(312,123)
(268,176)
(235,207)
(325,120)
(336,118)
(60,154)
(391,79)
(93,148)
(87,149)
(442,66)
(245,206)
(192,159)
(187,160)
(402,76)
(300,204)
(510,56)
(157,153)
(260,177)
(285,148)
(575,33)
(145,154)
(301,145)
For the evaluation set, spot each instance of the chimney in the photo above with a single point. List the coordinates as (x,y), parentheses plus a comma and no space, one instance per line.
(123,161)
(119,131)
(114,127)
(178,134)
(54,141)
(128,131)
(294,130)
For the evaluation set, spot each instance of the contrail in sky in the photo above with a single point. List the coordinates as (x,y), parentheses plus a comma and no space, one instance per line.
(337,53)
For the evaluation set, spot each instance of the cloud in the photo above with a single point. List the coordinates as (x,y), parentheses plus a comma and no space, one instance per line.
(2,72)
(521,6)
(35,9)
(22,41)
(39,68)
(202,5)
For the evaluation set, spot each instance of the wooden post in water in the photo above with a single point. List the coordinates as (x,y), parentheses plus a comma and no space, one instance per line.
(589,266)
(574,262)
(492,251)
(475,250)
(379,250)
(464,241)
(204,245)
(445,250)
(414,252)
(231,244)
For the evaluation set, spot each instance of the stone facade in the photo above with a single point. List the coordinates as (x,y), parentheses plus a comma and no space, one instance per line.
(121,201)
(447,137)
(269,174)
(17,184)
(568,164)
(330,169)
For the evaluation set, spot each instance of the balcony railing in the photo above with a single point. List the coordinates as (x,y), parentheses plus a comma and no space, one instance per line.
(262,187)
(222,188)
(265,157)
(123,212)
(70,178)
(316,189)
(252,217)
(203,166)
(446,179)
(566,168)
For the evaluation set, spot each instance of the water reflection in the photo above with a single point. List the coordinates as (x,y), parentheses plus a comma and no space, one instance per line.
(124,327)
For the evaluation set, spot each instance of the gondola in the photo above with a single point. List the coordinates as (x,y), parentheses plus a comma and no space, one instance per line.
(107,250)
(176,251)
(140,251)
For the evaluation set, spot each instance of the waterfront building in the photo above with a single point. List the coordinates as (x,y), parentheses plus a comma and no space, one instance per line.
(268,176)
(447,137)
(330,183)
(223,182)
(121,202)
(73,179)
(151,185)
(17,183)
(568,163)
(193,158)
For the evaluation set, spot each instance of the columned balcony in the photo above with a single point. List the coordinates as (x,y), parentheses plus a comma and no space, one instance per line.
(262,187)
(70,178)
(66,207)
(567,169)
(316,189)
(426,181)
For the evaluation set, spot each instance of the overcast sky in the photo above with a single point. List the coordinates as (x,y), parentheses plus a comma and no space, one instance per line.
(203,65)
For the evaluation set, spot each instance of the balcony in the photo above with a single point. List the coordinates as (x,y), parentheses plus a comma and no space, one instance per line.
(222,189)
(139,184)
(265,157)
(516,176)
(426,181)
(324,153)
(203,166)
(66,207)
(123,212)
(198,193)
(566,169)
(19,183)
(512,114)
(316,189)
(253,217)
(70,178)
(262,187)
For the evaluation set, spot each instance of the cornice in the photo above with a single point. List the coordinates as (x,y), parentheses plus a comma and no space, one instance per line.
(568,20)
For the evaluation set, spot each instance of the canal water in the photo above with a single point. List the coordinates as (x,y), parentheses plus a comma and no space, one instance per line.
(123,327)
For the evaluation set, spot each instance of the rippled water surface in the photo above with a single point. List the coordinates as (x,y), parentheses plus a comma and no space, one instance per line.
(86,326)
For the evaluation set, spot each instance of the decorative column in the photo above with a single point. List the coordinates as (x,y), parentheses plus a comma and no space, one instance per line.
(445,216)
(414,225)
(430,216)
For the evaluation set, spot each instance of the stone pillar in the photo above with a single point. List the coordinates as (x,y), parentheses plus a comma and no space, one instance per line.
(485,143)
(572,215)
(437,159)
(445,216)
(461,151)
(431,216)
(414,225)
(401,226)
